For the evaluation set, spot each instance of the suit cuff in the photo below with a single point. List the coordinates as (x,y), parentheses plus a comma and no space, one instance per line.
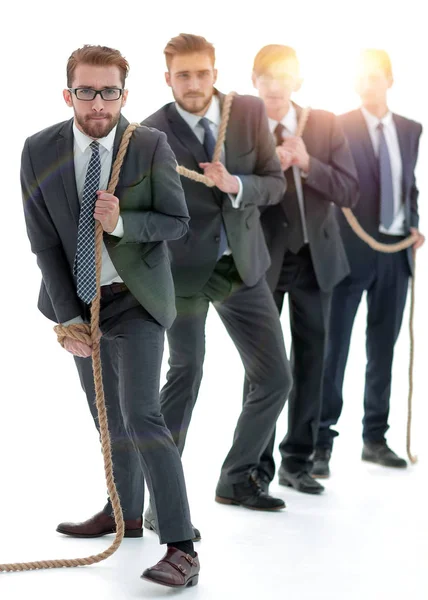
(236,199)
(118,230)
(75,321)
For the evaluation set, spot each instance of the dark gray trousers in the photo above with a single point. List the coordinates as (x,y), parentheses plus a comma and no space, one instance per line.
(142,447)
(251,319)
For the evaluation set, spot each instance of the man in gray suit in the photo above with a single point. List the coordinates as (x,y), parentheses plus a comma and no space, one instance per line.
(308,257)
(65,170)
(222,260)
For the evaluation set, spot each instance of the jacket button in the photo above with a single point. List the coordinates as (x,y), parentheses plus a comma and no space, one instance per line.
(217,238)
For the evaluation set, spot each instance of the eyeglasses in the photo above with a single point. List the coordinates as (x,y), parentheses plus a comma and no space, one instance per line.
(88,94)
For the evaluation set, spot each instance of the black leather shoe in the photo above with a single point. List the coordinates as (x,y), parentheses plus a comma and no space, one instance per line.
(300,481)
(380,453)
(150,523)
(262,479)
(321,468)
(248,494)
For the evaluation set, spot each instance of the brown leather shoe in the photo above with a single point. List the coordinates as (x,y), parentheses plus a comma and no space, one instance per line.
(99,525)
(176,569)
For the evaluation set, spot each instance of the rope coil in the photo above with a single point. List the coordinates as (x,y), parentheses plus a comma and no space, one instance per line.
(89,334)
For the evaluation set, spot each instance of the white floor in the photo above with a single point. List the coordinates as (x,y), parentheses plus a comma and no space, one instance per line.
(365,538)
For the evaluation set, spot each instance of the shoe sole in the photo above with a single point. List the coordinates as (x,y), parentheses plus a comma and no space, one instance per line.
(376,462)
(192,582)
(150,527)
(290,485)
(231,502)
(129,533)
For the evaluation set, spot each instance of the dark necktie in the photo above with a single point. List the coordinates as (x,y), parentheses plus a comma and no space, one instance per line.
(295,237)
(84,262)
(386,187)
(209,146)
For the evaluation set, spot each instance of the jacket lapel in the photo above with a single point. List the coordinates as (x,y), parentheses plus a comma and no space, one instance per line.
(121,126)
(186,136)
(363,135)
(65,153)
(403,142)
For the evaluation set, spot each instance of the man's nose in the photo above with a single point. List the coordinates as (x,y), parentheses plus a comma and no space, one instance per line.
(98,103)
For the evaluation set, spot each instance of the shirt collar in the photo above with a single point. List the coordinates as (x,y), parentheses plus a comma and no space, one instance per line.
(213,113)
(289,120)
(83,141)
(373,121)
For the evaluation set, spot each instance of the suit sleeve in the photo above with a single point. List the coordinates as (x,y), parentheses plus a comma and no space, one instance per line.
(267,184)
(337,181)
(414,192)
(169,218)
(46,245)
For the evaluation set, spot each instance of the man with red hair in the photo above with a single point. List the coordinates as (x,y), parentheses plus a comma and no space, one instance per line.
(137,293)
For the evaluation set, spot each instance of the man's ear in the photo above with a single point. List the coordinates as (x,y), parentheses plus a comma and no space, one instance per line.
(67,97)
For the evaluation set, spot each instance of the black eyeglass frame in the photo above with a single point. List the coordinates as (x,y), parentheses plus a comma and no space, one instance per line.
(96,92)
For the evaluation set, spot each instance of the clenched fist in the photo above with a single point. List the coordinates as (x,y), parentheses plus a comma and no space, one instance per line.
(218,173)
(107,210)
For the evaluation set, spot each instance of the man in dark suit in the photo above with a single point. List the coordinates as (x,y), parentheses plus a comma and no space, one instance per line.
(308,258)
(385,150)
(222,260)
(65,170)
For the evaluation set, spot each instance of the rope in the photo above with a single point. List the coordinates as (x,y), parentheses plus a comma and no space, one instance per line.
(355,226)
(387,249)
(194,175)
(89,335)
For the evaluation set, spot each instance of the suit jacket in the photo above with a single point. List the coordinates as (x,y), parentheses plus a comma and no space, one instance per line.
(332,179)
(152,206)
(250,154)
(368,209)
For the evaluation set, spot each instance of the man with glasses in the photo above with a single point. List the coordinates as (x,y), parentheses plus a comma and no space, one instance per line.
(308,258)
(65,172)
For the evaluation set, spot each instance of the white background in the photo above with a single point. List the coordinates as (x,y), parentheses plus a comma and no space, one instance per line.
(366,537)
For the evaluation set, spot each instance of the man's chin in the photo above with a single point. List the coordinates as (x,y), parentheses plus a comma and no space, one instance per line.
(98,128)
(195,105)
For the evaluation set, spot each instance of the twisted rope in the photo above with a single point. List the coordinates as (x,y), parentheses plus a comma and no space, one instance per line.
(387,249)
(89,335)
(355,226)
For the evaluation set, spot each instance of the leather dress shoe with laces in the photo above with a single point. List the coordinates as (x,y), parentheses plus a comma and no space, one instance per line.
(150,523)
(176,570)
(99,525)
(248,494)
(321,466)
(300,481)
(380,453)
(262,479)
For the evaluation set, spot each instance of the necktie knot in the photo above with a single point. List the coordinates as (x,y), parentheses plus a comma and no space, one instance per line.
(95,146)
(204,122)
(279,132)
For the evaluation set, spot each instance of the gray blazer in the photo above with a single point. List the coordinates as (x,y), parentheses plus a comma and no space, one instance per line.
(250,154)
(152,206)
(332,180)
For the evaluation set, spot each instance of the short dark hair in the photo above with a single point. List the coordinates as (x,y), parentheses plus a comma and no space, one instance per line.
(97,56)
(187,43)
(380,56)
(271,54)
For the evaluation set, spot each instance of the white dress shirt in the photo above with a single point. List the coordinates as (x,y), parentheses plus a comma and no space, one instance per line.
(290,123)
(391,137)
(82,156)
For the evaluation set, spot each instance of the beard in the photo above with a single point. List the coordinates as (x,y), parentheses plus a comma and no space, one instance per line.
(97,129)
(194,103)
